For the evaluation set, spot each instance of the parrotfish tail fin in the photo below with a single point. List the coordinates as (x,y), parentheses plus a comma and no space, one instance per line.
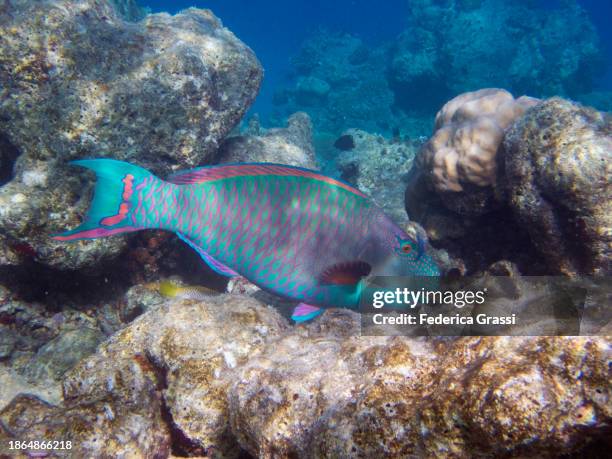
(304,312)
(112,210)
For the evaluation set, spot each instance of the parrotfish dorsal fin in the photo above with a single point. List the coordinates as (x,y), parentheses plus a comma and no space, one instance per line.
(223,171)
(347,273)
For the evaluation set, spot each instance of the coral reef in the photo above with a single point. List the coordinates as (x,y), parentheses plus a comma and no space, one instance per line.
(558,175)
(448,47)
(92,353)
(162,92)
(340,83)
(291,145)
(176,383)
(39,343)
(373,163)
(130,10)
(547,186)
(451,47)
(463,149)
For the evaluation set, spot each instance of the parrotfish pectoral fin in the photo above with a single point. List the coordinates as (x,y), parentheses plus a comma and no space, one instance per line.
(304,312)
(111,211)
(347,273)
(215,265)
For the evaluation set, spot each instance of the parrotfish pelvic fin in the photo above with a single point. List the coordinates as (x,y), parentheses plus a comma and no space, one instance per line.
(216,266)
(111,211)
(304,312)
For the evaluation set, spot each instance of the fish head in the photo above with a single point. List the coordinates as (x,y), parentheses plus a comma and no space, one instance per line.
(407,256)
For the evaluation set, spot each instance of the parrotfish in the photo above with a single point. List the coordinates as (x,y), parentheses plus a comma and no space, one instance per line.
(291,231)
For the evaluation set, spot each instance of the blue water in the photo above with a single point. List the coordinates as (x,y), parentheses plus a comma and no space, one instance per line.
(276,30)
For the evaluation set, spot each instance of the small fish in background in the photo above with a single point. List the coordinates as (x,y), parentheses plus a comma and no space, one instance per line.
(185,292)
(291,231)
(345,142)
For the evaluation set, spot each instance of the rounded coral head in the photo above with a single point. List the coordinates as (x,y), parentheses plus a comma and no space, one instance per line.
(468,133)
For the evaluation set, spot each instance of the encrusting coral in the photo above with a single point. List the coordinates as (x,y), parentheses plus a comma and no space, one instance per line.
(558,173)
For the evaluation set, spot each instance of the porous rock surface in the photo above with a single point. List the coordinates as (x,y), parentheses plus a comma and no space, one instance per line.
(77,81)
(164,373)
(379,167)
(558,174)
(328,393)
(41,345)
(290,145)
(229,373)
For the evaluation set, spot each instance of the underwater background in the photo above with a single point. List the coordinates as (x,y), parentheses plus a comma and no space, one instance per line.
(481,128)
(289,27)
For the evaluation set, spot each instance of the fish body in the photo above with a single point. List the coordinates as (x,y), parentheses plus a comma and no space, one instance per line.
(184,292)
(291,231)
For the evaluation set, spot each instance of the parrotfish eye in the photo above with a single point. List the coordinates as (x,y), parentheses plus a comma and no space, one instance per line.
(405,247)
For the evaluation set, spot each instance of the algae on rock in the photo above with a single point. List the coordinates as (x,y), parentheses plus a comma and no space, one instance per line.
(230,374)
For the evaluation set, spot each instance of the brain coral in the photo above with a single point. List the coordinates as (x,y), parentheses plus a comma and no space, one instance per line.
(468,132)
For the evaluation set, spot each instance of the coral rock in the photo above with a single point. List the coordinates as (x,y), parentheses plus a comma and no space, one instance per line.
(291,145)
(558,172)
(378,167)
(182,349)
(62,353)
(315,393)
(109,426)
(226,374)
(162,92)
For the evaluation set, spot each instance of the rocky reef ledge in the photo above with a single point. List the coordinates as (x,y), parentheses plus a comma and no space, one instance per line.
(78,81)
(173,383)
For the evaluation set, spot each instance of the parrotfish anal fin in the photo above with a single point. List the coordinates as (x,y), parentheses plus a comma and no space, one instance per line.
(347,273)
(216,266)
(304,312)
(223,171)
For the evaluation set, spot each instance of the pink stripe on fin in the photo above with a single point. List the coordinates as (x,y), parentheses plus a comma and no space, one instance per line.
(93,233)
(209,174)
